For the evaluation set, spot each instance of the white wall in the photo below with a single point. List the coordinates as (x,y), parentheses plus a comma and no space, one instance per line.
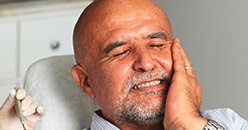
(214,33)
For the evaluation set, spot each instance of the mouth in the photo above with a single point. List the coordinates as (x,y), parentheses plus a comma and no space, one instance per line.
(149,84)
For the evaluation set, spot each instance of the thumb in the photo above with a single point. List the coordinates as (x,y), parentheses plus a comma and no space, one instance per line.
(9,103)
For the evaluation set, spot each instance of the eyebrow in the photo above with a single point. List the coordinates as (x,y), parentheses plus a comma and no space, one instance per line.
(117,44)
(158,35)
(113,45)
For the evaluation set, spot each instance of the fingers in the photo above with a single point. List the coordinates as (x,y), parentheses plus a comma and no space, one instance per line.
(40,111)
(34,109)
(181,62)
(32,120)
(19,105)
(26,102)
(178,60)
(20,93)
(9,103)
(28,106)
(182,52)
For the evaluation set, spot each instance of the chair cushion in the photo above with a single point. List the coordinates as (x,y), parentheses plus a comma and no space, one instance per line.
(49,82)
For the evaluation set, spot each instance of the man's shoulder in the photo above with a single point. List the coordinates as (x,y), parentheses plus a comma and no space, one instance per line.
(226,117)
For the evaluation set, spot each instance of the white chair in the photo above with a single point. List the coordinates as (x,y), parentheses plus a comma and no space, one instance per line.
(49,82)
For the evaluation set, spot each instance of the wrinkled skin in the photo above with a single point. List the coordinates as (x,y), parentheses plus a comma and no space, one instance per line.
(127,44)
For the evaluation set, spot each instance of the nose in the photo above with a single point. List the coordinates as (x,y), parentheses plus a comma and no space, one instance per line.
(144,62)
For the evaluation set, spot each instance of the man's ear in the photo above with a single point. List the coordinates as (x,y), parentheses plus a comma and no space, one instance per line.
(79,75)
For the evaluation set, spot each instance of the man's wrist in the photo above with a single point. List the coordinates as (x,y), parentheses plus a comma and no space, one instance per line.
(196,123)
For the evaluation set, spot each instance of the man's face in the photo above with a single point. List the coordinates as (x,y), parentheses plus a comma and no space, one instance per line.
(131,67)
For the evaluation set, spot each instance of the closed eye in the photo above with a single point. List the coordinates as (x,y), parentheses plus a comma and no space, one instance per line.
(121,53)
(157,45)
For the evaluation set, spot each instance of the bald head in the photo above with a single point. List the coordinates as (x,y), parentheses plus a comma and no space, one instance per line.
(101,15)
(119,44)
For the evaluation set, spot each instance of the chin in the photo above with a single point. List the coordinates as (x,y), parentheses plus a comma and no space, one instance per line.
(145,110)
(149,119)
(142,113)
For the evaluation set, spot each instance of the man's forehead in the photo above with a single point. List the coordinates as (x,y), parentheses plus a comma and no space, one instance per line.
(135,31)
(103,16)
(108,10)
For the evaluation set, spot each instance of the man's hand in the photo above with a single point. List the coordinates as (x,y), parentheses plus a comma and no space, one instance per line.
(184,96)
(9,119)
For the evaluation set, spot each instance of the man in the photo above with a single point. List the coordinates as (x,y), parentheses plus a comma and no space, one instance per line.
(129,62)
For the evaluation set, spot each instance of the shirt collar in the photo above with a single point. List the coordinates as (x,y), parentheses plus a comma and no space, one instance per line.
(99,123)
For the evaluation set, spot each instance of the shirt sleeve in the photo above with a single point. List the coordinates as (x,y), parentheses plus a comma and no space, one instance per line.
(226,117)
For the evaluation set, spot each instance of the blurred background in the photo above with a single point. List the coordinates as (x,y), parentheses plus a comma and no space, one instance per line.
(212,32)
(31,30)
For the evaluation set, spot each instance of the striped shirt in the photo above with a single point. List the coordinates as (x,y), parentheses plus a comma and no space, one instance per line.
(226,117)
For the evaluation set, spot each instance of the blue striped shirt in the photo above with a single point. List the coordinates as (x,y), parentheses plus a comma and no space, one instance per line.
(226,117)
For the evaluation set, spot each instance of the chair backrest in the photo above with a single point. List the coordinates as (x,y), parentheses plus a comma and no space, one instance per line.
(49,82)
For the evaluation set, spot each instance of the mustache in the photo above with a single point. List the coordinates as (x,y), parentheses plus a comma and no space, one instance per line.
(147,76)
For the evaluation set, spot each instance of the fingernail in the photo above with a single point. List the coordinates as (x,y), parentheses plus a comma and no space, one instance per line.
(177,44)
(21,94)
(178,40)
(40,109)
(12,92)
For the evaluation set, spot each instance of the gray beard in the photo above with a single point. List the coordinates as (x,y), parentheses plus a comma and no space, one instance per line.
(137,113)
(133,113)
